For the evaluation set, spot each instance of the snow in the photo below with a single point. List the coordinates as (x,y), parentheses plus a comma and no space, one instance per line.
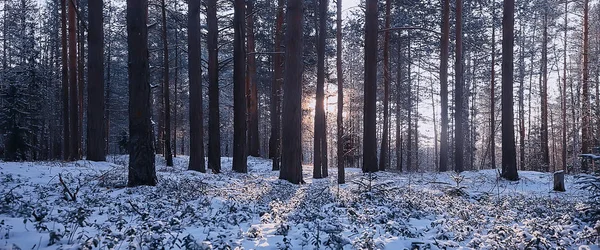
(258,211)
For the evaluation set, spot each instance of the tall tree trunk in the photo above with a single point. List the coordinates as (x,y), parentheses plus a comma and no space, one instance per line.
(409,130)
(65,82)
(458,94)
(493,91)
(108,81)
(96,150)
(444,43)
(240,149)
(74,109)
(166,92)
(509,160)
(251,85)
(544,94)
(141,148)
(386,88)
(564,93)
(195,79)
(214,120)
(522,98)
(275,138)
(291,157)
(80,82)
(340,96)
(176,90)
(585,123)
(370,89)
(320,134)
(399,80)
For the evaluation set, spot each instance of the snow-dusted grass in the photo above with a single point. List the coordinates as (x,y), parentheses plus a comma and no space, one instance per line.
(257,210)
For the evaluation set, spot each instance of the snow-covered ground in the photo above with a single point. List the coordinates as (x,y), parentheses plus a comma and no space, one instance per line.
(258,211)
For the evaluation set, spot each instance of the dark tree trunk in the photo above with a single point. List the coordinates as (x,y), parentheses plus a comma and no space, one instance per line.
(214,120)
(409,129)
(65,82)
(108,80)
(564,93)
(340,96)
(96,150)
(275,139)
(444,85)
(383,157)
(544,95)
(80,83)
(370,89)
(458,94)
(493,91)
(141,147)
(509,160)
(240,149)
(291,157)
(166,92)
(195,73)
(73,101)
(398,107)
(251,87)
(175,91)
(585,123)
(320,139)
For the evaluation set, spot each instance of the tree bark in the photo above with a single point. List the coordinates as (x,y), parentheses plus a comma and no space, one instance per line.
(214,120)
(141,147)
(398,106)
(340,96)
(564,93)
(291,157)
(240,149)
(444,43)
(195,79)
(493,91)
(320,139)
(544,95)
(73,101)
(65,82)
(383,157)
(166,92)
(275,138)
(96,150)
(585,123)
(509,161)
(251,85)
(458,94)
(370,88)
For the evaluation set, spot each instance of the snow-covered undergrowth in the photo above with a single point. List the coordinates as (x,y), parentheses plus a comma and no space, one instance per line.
(256,210)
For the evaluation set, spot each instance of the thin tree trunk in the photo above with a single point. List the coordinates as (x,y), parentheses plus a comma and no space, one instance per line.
(383,158)
(445,40)
(80,83)
(522,98)
(166,92)
(275,138)
(493,91)
(398,106)
(108,81)
(176,90)
(585,124)
(214,120)
(195,78)
(240,149)
(141,148)
(73,105)
(340,96)
(409,131)
(291,157)
(319,127)
(435,131)
(564,93)
(544,95)
(251,85)
(509,161)
(96,150)
(458,94)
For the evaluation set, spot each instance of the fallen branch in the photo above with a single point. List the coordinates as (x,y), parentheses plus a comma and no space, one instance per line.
(72,195)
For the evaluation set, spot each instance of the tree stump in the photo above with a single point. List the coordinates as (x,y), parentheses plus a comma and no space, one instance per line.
(559,181)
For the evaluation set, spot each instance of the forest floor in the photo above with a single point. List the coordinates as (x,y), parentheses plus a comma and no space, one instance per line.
(258,211)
